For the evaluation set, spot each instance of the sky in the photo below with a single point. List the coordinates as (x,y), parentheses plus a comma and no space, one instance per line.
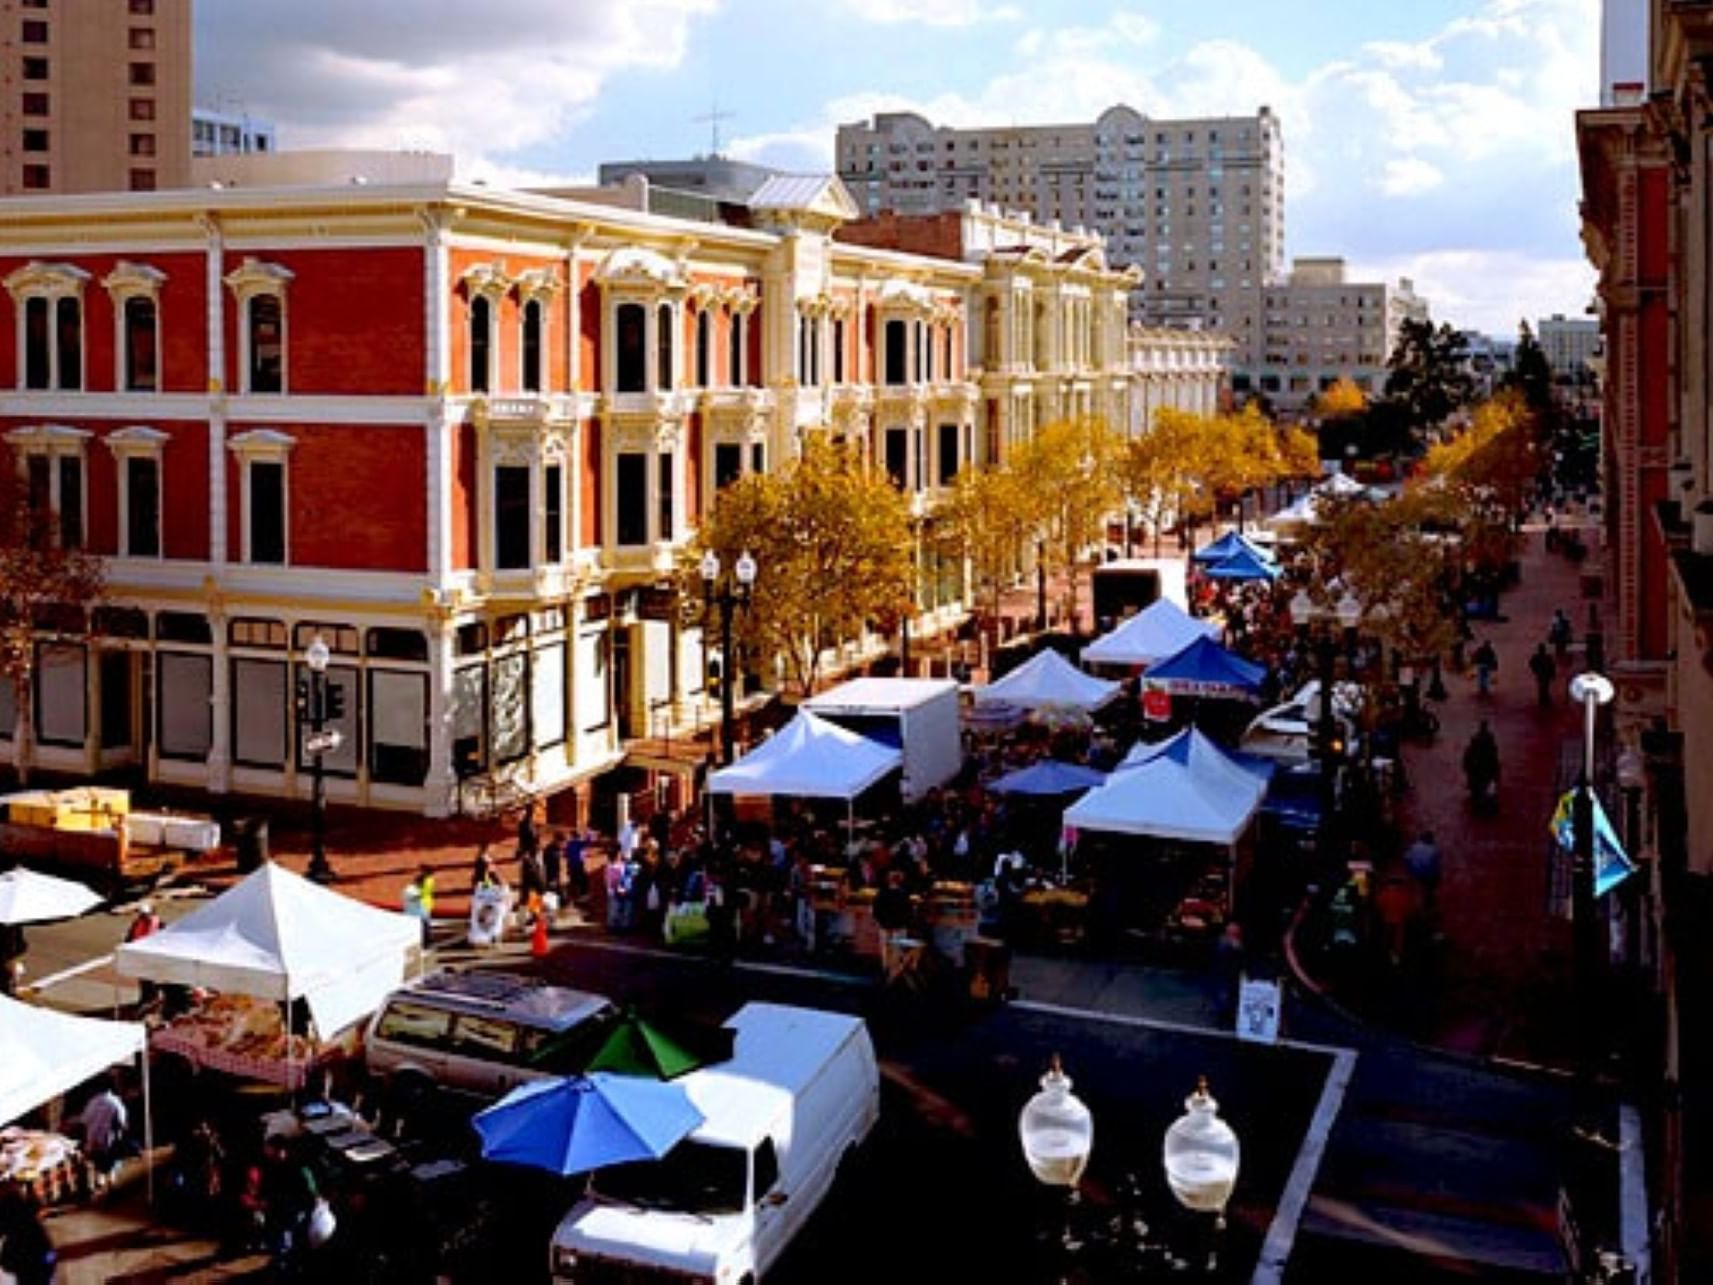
(1432,139)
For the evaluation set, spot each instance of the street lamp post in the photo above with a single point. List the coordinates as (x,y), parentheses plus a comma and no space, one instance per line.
(1590,690)
(1057,1133)
(1303,612)
(1201,1156)
(314,697)
(728,598)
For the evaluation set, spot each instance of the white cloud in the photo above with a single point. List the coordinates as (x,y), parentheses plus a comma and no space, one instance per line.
(1490,291)
(480,81)
(1410,176)
(933,13)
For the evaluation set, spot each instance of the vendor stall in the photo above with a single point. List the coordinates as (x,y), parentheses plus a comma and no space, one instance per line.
(1159,630)
(45,1054)
(1193,802)
(1047,678)
(810,758)
(275,938)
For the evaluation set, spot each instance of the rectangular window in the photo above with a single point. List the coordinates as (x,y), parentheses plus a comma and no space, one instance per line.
(139,356)
(35,31)
(38,343)
(35,69)
(142,180)
(267,512)
(728,464)
(70,502)
(35,140)
(185,682)
(553,513)
(631,469)
(758,457)
(948,454)
(398,733)
(142,109)
(734,351)
(630,320)
(36,178)
(142,507)
(41,486)
(266,344)
(142,38)
(897,353)
(663,494)
(142,8)
(259,713)
(898,456)
(142,74)
(142,144)
(68,321)
(838,350)
(35,103)
(511,517)
(60,694)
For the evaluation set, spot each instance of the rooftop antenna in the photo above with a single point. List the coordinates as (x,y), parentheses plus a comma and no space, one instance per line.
(713,118)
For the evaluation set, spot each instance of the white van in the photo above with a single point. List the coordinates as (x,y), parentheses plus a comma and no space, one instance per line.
(800,1094)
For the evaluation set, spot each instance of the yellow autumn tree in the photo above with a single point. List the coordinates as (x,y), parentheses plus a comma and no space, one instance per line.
(833,547)
(1068,484)
(1159,470)
(986,520)
(1341,400)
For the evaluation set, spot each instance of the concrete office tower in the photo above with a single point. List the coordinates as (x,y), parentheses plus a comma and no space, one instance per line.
(1198,205)
(98,95)
(1569,343)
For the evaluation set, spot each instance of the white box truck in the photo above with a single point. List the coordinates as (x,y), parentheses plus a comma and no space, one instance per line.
(799,1096)
(918,715)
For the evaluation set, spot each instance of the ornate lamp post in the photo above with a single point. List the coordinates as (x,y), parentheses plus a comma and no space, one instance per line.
(1201,1156)
(728,598)
(1057,1133)
(1591,691)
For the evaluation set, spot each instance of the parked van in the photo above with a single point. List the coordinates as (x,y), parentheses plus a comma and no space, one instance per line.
(483,1033)
(800,1094)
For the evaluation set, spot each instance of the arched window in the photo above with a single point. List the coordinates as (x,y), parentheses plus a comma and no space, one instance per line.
(532,346)
(663,346)
(266,344)
(481,342)
(630,319)
(141,360)
(704,348)
(734,351)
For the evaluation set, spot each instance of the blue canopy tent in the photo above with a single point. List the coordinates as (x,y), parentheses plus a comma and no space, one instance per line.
(1204,668)
(1048,777)
(1245,564)
(1228,544)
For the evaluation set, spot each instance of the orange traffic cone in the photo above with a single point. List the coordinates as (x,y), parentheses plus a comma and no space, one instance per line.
(538,939)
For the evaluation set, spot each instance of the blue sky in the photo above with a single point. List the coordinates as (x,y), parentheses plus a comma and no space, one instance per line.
(1431,138)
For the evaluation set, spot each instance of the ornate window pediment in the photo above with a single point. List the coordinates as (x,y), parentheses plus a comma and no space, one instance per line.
(49,439)
(254,277)
(128,280)
(261,443)
(53,280)
(537,283)
(639,269)
(137,439)
(490,279)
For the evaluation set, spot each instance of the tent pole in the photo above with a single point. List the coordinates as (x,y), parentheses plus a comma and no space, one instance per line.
(148,1128)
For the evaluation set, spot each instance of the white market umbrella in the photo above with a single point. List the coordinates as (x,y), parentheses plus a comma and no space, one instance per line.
(29,898)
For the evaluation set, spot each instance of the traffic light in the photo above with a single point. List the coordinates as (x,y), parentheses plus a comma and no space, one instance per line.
(302,702)
(716,672)
(335,702)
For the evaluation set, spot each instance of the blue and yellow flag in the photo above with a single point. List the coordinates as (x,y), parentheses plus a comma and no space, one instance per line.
(1612,864)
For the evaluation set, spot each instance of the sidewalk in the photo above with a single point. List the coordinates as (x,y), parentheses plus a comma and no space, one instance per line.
(1496,982)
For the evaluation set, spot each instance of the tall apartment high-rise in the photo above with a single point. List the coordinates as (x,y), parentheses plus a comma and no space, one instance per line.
(97,95)
(1198,205)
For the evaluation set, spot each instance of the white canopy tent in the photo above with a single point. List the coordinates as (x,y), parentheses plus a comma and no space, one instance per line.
(1185,788)
(1159,630)
(48,1052)
(1047,678)
(809,758)
(278,936)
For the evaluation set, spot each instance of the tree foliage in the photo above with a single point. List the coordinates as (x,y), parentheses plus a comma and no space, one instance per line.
(1428,375)
(1341,400)
(1069,485)
(42,584)
(834,547)
(986,518)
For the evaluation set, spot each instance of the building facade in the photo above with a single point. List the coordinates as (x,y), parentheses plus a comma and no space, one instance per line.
(1570,345)
(1318,327)
(461,434)
(96,104)
(1197,205)
(218,133)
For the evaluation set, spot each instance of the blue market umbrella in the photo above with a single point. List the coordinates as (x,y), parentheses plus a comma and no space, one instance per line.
(1227,545)
(1048,777)
(586,1122)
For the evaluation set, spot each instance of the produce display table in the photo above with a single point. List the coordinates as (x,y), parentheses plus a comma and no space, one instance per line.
(47,1167)
(245,1037)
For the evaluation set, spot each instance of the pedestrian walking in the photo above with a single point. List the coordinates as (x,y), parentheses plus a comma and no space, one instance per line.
(1558,633)
(1481,768)
(1486,662)
(104,1122)
(553,865)
(145,924)
(1542,666)
(528,837)
(1228,965)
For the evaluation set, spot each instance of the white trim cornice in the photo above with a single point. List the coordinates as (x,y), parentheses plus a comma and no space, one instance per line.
(51,279)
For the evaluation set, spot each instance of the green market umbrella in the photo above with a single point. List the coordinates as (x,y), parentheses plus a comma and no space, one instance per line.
(638,1047)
